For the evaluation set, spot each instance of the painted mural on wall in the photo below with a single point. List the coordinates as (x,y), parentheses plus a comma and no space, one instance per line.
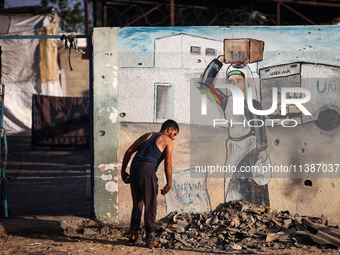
(246,144)
(283,78)
(188,194)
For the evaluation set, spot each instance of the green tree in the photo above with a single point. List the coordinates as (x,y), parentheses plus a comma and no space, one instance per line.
(71,13)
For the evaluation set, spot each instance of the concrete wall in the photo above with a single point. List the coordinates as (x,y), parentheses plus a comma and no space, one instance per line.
(293,194)
(303,148)
(74,83)
(105,129)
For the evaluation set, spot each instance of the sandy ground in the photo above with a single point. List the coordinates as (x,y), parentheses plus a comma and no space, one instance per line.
(114,243)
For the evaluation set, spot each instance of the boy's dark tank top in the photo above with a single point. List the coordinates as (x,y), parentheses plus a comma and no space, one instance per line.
(149,152)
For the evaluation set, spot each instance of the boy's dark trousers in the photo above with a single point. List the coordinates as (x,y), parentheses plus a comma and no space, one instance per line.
(144,189)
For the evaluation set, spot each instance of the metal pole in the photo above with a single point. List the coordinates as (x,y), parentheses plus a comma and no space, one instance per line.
(103,7)
(313,3)
(90,46)
(86,3)
(172,13)
(6,37)
(94,12)
(299,14)
(3,152)
(278,13)
(143,15)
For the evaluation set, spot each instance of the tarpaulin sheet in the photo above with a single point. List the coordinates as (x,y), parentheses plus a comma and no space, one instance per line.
(21,65)
(24,22)
(48,55)
(60,121)
(12,23)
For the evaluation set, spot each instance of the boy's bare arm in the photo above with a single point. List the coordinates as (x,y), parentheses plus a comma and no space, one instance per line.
(168,166)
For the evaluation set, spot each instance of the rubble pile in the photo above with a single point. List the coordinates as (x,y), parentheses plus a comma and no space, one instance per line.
(239,225)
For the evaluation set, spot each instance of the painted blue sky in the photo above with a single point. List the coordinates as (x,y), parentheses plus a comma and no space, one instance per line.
(282,44)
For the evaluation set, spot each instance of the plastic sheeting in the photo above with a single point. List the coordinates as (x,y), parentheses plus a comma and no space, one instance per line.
(21,23)
(21,61)
(48,53)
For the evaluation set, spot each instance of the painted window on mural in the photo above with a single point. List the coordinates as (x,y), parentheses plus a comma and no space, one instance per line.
(210,51)
(163,102)
(195,50)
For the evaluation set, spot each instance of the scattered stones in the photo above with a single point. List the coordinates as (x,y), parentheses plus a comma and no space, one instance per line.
(71,231)
(90,231)
(236,247)
(104,231)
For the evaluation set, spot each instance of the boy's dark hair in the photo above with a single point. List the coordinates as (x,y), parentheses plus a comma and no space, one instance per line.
(170,124)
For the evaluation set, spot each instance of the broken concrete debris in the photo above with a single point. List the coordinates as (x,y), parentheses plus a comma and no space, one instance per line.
(240,225)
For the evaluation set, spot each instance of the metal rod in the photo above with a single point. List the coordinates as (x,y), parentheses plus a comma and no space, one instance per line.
(103,17)
(299,14)
(86,3)
(172,13)
(143,15)
(278,13)
(90,46)
(3,151)
(0,65)
(4,165)
(94,12)
(38,36)
(317,4)
(124,2)
(313,3)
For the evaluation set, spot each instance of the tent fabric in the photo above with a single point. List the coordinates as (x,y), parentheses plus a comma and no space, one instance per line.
(60,121)
(11,23)
(5,24)
(48,56)
(24,22)
(23,63)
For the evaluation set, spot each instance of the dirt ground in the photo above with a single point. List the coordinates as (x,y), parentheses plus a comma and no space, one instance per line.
(116,243)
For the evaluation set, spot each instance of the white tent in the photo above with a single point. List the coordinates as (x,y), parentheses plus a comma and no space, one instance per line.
(29,66)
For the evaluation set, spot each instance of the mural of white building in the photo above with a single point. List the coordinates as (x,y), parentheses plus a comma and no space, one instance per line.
(186,51)
(162,89)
